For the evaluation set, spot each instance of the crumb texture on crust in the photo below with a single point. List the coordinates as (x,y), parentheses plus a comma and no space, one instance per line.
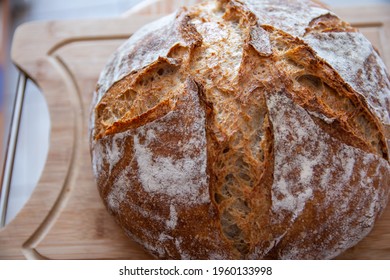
(251,129)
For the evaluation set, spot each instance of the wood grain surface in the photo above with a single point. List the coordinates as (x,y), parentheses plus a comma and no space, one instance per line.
(65,218)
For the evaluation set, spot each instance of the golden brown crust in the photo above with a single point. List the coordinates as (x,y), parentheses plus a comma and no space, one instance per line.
(239,135)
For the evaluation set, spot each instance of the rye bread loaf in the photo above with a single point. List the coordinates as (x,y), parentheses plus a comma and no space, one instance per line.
(244,130)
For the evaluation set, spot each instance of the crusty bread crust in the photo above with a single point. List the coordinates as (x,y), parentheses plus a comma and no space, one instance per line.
(244,129)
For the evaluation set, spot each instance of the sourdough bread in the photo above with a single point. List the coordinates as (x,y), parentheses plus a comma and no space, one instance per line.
(244,130)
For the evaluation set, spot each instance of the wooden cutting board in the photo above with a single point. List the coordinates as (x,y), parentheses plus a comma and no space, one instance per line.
(65,218)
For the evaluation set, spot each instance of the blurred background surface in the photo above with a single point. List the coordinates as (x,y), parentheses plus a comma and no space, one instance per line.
(35,123)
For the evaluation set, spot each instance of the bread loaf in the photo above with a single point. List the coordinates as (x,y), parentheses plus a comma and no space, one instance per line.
(244,130)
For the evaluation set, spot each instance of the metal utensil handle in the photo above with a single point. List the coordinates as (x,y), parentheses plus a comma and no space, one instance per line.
(11,147)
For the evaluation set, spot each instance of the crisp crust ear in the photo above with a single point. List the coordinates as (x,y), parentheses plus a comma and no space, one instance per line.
(158,111)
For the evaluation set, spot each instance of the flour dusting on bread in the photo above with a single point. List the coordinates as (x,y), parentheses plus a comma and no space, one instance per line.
(302,146)
(181,178)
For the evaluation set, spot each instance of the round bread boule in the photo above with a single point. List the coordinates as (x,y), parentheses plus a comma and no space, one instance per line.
(244,130)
